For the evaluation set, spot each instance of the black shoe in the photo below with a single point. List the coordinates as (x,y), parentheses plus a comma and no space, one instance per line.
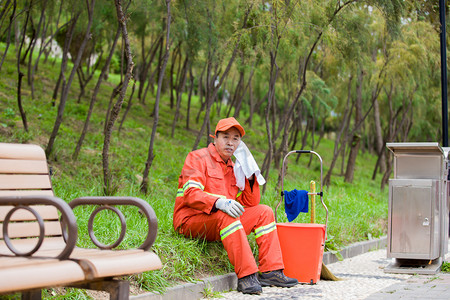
(249,285)
(276,278)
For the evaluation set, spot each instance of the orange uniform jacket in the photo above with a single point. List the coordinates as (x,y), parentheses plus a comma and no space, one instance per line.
(205,178)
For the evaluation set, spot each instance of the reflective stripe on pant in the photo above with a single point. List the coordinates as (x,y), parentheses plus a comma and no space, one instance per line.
(233,233)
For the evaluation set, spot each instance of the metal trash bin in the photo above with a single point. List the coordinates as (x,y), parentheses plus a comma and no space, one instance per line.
(418,208)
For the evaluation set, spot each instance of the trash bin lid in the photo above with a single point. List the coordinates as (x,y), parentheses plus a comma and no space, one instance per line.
(415,148)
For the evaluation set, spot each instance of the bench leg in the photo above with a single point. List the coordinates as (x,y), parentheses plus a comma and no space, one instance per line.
(117,289)
(32,295)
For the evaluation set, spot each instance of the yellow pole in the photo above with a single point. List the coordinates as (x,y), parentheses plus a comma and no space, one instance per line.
(312,186)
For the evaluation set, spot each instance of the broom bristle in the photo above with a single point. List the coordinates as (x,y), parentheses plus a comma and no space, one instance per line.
(326,274)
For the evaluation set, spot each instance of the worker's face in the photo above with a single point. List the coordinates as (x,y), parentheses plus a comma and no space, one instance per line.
(226,142)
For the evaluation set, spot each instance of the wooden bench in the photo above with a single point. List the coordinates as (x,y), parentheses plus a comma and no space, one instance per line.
(38,233)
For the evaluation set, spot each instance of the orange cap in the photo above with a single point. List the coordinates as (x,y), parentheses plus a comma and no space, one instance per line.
(227,123)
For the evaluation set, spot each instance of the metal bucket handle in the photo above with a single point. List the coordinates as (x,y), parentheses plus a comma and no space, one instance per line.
(283,170)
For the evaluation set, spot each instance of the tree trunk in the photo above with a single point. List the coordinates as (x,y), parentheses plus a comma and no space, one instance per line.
(176,52)
(107,177)
(338,145)
(65,57)
(242,95)
(47,52)
(201,93)
(8,37)
(30,76)
(114,93)
(4,10)
(151,156)
(379,136)
(355,144)
(94,95)
(33,35)
(84,79)
(160,61)
(313,130)
(146,67)
(236,94)
(210,79)
(130,102)
(66,88)
(249,120)
(20,74)
(191,88)
(19,101)
(42,48)
(180,89)
(265,168)
(149,85)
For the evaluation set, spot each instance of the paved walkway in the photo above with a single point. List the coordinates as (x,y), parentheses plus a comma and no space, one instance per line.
(362,277)
(362,274)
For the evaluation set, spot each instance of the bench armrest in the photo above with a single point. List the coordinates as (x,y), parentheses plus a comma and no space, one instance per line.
(69,224)
(107,202)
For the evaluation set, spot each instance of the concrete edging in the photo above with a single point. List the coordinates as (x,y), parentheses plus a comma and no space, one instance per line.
(356,249)
(228,281)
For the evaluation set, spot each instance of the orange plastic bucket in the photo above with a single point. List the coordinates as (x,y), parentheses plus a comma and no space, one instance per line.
(302,248)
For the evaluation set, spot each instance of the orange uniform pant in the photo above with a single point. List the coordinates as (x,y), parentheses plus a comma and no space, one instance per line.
(233,233)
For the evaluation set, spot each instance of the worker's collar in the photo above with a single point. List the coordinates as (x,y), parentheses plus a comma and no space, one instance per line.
(213,151)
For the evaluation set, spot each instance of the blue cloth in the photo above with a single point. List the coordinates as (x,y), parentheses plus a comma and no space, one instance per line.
(295,202)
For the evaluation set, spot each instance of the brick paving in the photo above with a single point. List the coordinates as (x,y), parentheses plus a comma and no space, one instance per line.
(362,274)
(363,277)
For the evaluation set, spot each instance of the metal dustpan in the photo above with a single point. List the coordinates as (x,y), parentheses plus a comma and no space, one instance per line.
(302,244)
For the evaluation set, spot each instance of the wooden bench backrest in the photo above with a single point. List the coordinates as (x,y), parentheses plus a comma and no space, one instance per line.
(24,171)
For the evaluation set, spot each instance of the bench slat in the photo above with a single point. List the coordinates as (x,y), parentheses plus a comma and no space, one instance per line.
(20,274)
(51,247)
(108,263)
(10,182)
(46,212)
(31,229)
(48,192)
(14,166)
(21,151)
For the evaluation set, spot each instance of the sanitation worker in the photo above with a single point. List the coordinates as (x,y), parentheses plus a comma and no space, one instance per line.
(210,206)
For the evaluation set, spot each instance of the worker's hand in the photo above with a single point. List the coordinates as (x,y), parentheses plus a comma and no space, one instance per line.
(230,207)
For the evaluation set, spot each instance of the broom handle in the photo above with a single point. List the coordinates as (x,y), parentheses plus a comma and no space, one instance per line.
(312,187)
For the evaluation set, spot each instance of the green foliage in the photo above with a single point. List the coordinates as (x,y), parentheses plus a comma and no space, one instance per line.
(445,267)
(400,61)
(209,293)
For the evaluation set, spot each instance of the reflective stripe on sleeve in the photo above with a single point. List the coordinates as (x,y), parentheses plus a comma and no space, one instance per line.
(189,184)
(233,227)
(260,231)
(180,193)
(194,184)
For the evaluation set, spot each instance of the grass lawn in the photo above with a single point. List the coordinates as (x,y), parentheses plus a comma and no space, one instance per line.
(357,211)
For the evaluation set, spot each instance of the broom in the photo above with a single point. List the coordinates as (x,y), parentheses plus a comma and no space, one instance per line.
(325,273)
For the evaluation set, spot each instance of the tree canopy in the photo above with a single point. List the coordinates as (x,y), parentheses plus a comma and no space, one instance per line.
(366,71)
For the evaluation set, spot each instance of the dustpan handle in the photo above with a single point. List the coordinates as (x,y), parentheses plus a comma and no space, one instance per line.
(283,170)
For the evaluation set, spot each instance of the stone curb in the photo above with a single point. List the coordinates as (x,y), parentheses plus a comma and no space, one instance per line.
(191,291)
(228,281)
(356,249)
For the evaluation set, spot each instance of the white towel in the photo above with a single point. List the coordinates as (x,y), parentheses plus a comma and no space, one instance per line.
(245,166)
